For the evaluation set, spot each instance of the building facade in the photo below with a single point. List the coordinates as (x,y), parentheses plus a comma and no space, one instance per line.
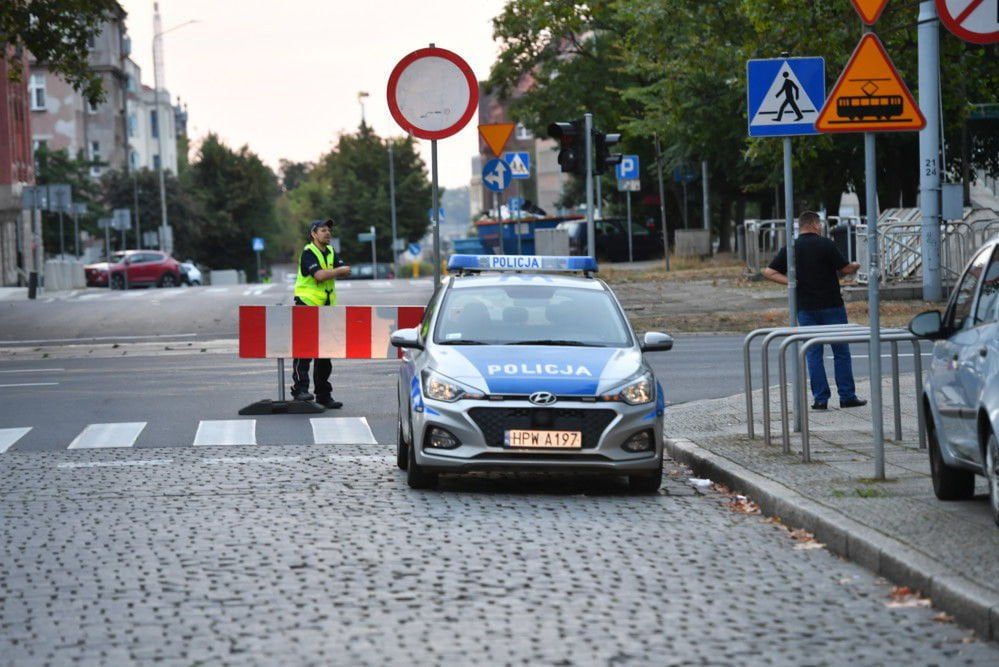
(61,118)
(16,172)
(146,116)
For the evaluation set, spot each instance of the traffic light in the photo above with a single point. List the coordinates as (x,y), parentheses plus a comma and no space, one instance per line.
(603,141)
(571,149)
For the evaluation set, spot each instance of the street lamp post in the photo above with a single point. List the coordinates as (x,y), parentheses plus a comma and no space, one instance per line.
(158,33)
(360,100)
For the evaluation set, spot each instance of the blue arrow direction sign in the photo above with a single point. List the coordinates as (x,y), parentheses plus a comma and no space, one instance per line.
(440,214)
(413,248)
(627,168)
(519,163)
(496,175)
(785,96)
(258,244)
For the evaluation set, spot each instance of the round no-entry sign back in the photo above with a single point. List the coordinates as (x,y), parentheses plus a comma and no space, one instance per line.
(975,21)
(432,93)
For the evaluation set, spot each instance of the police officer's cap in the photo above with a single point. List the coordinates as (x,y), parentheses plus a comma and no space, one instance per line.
(316,224)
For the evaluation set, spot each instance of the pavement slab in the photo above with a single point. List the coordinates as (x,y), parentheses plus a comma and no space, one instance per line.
(897,527)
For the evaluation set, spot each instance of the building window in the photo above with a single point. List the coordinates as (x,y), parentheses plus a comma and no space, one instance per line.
(37,90)
(154,124)
(156,162)
(91,42)
(522,133)
(132,122)
(95,158)
(133,160)
(91,107)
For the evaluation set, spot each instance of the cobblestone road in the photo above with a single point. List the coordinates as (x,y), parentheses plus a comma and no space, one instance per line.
(322,555)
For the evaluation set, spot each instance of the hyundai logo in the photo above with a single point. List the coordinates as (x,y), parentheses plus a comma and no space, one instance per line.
(542,398)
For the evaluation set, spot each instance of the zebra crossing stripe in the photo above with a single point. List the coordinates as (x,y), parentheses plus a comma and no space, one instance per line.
(342,431)
(224,432)
(8,436)
(100,436)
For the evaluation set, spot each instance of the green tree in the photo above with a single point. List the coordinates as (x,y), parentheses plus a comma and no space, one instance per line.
(56,32)
(59,167)
(351,185)
(236,193)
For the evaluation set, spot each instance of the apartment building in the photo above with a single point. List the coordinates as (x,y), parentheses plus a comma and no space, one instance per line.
(147,116)
(16,171)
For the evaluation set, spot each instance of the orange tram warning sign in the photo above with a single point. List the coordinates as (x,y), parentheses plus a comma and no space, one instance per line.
(870,96)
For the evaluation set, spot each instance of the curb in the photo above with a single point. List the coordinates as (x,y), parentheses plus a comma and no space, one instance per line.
(970,603)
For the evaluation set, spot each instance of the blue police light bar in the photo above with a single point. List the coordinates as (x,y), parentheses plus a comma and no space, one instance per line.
(520,263)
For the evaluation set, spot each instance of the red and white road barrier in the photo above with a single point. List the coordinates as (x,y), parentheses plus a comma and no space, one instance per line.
(323,332)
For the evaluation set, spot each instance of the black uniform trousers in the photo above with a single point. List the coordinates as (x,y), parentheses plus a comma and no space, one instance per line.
(320,373)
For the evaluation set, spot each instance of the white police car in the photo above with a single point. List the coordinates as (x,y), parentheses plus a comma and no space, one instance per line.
(519,364)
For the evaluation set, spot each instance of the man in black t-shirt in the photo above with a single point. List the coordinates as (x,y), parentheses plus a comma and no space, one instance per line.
(818,262)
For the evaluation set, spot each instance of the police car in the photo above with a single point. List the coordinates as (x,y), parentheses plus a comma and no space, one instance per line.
(528,362)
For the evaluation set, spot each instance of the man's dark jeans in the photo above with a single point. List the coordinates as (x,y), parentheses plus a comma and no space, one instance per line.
(841,357)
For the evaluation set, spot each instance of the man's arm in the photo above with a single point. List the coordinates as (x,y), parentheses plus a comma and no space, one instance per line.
(774,275)
(329,274)
(852,267)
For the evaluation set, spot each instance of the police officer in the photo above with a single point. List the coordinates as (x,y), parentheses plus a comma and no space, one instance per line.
(315,286)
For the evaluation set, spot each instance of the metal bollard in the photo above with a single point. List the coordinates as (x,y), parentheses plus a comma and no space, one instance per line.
(920,411)
(896,399)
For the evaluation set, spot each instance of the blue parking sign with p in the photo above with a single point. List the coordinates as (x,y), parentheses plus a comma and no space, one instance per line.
(627,168)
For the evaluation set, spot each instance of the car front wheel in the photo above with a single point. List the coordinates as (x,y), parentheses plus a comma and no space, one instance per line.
(992,474)
(948,483)
(646,483)
(117,282)
(416,476)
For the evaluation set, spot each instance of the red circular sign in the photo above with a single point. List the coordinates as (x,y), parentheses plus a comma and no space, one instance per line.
(975,21)
(432,93)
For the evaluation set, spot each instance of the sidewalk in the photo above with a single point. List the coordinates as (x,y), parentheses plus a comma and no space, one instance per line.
(948,551)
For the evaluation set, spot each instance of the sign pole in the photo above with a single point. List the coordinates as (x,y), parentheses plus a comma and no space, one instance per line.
(662,199)
(631,256)
(76,233)
(705,204)
(395,272)
(257,253)
(520,249)
(929,149)
(591,235)
(107,248)
(874,301)
(374,255)
(792,273)
(600,199)
(62,234)
(437,222)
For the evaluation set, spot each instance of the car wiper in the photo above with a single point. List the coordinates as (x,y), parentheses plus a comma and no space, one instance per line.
(463,342)
(551,341)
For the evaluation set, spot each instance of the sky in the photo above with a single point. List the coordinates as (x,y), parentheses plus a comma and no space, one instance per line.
(283,76)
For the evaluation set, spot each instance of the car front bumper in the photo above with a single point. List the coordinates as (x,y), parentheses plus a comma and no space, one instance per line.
(480,425)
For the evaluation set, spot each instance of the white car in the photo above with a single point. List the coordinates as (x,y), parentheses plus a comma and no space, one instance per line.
(190,274)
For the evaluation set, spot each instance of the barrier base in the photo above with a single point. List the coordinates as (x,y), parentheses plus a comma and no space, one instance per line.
(269,407)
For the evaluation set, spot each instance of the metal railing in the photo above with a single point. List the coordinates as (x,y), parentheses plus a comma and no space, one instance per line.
(805,338)
(770,334)
(894,338)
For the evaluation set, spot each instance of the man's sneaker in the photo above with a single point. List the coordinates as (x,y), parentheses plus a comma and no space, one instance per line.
(819,406)
(302,396)
(328,403)
(853,403)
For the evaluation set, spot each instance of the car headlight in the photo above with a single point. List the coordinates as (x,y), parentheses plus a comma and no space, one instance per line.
(637,391)
(442,388)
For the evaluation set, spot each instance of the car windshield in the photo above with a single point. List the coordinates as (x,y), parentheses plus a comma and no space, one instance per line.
(116,257)
(531,315)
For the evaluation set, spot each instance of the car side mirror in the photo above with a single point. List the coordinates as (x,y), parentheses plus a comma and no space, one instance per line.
(927,325)
(654,341)
(407,338)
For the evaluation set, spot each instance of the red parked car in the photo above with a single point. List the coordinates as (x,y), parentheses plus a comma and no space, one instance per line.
(134,268)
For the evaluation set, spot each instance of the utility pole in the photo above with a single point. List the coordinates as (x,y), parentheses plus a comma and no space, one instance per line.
(160,125)
(395,251)
(591,236)
(929,149)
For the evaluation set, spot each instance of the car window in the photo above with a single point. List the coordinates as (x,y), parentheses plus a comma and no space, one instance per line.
(985,309)
(960,306)
(512,314)
(428,316)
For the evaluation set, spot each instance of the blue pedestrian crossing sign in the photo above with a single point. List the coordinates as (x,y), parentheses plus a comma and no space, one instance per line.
(496,175)
(627,168)
(519,163)
(258,244)
(785,96)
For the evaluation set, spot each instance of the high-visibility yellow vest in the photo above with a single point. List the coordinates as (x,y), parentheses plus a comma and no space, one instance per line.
(311,291)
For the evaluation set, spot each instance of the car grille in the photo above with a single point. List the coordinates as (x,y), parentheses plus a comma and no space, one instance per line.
(494,421)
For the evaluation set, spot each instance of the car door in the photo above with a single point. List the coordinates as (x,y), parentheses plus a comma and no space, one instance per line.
(978,359)
(950,394)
